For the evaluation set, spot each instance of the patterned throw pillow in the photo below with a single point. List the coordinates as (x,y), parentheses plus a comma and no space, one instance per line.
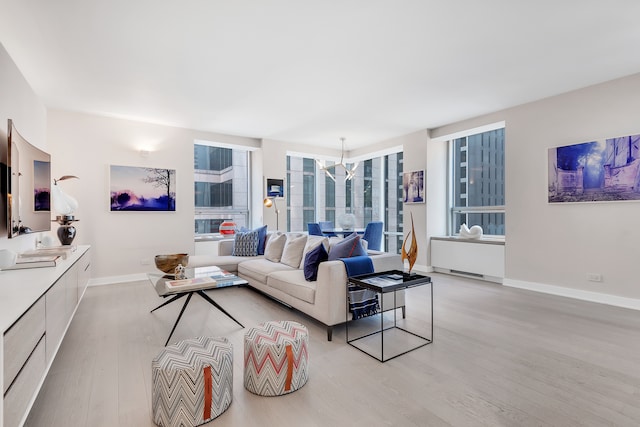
(312,261)
(348,247)
(246,244)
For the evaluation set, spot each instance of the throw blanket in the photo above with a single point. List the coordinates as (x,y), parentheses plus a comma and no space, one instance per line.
(362,302)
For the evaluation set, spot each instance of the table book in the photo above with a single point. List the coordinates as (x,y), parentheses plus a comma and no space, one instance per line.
(182,285)
(34,262)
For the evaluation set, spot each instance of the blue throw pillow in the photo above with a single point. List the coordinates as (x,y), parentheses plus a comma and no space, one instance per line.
(312,260)
(348,247)
(262,238)
(246,244)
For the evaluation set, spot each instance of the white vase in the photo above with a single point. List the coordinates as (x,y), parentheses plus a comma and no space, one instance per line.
(7,258)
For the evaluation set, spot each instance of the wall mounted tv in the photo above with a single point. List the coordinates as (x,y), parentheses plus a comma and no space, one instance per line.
(28,186)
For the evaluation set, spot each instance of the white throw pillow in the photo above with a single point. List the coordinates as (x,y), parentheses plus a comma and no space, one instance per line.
(275,245)
(292,252)
(312,243)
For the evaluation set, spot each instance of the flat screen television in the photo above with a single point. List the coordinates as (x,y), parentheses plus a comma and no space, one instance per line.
(28,186)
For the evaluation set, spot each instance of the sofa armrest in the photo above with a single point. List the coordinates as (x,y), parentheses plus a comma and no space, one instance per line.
(225,247)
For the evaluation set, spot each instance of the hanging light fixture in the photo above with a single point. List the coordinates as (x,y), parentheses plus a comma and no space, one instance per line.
(351,172)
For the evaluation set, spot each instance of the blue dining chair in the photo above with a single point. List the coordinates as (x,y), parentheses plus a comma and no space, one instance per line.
(373,235)
(314,229)
(327,225)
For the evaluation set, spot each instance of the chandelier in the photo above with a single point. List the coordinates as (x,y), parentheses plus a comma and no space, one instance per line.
(351,172)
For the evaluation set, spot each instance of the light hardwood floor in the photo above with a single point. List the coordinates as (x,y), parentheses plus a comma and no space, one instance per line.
(500,357)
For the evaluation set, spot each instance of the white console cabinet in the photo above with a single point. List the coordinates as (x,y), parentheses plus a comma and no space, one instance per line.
(36,308)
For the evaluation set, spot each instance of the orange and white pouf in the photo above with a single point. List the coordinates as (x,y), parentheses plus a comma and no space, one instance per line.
(276,358)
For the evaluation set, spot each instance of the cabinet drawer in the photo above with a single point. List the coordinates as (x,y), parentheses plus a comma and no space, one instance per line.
(20,340)
(18,397)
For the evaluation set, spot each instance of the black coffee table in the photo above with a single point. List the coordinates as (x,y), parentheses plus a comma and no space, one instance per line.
(384,283)
(223,280)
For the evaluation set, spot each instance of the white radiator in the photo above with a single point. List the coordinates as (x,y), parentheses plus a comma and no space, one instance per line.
(482,258)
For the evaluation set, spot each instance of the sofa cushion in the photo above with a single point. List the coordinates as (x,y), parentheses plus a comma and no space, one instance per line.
(262,239)
(312,243)
(275,245)
(246,244)
(259,269)
(312,260)
(292,283)
(348,247)
(292,252)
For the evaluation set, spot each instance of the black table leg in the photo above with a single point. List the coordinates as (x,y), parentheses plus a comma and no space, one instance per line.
(179,316)
(175,297)
(216,305)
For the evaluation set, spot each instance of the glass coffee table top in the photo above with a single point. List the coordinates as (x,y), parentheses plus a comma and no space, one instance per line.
(222,279)
(198,280)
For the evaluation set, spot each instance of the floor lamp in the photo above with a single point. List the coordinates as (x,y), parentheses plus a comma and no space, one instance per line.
(269,202)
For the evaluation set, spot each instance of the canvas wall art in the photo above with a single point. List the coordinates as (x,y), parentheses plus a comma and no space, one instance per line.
(413,187)
(275,187)
(142,189)
(595,171)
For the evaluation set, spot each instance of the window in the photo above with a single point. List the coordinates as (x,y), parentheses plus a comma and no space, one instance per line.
(221,181)
(374,194)
(477,182)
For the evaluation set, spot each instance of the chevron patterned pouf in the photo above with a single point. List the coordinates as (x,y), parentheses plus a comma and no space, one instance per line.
(276,358)
(192,382)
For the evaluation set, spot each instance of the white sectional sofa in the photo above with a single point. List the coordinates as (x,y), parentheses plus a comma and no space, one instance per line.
(324,299)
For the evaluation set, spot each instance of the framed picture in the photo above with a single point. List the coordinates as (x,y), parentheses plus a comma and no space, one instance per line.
(595,171)
(275,187)
(142,189)
(413,187)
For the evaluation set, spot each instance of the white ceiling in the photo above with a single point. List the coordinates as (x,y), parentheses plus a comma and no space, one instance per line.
(314,71)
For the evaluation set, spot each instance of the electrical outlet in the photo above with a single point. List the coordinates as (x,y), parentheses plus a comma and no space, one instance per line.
(594,277)
(145,261)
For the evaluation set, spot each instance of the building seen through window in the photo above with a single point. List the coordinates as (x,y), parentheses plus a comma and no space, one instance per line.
(477,180)
(221,180)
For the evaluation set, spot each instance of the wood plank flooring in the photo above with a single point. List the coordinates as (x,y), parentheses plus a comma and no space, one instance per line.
(500,357)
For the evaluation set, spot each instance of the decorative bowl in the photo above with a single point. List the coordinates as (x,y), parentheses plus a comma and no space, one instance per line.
(168,263)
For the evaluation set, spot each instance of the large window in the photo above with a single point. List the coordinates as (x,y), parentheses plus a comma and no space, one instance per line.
(374,194)
(477,182)
(221,181)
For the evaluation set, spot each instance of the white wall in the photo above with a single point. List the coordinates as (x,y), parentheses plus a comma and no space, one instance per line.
(559,244)
(86,145)
(19,103)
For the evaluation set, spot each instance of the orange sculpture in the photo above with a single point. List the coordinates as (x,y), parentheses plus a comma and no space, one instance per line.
(412,254)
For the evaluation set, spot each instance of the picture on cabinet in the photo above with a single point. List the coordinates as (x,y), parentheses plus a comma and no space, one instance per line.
(135,188)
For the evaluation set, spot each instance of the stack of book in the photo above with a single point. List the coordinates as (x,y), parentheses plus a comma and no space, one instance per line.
(30,261)
(184,285)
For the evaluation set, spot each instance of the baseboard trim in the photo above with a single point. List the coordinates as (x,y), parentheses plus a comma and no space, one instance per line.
(112,280)
(598,297)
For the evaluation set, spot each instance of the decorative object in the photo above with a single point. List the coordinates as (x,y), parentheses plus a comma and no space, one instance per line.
(62,202)
(66,232)
(413,187)
(227,227)
(246,243)
(276,359)
(142,189)
(7,258)
(596,171)
(168,263)
(275,187)
(269,202)
(475,232)
(180,272)
(347,221)
(192,381)
(351,172)
(412,254)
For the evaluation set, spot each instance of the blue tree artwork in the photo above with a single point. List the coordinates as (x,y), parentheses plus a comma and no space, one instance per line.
(142,189)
